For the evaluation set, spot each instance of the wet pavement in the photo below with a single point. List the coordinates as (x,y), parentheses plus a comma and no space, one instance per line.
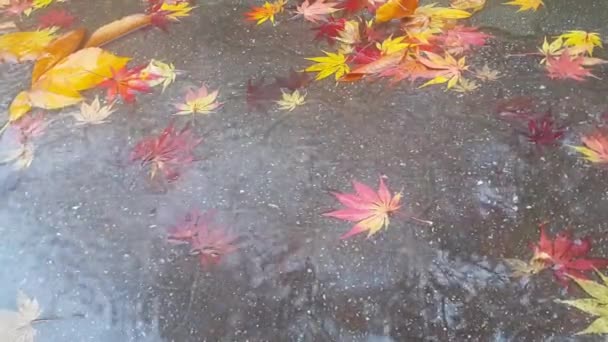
(85,234)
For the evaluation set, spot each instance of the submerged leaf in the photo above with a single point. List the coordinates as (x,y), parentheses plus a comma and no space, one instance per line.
(157,73)
(25,46)
(16,326)
(94,113)
(595,147)
(199,101)
(291,100)
(395,9)
(526,5)
(56,18)
(596,306)
(265,13)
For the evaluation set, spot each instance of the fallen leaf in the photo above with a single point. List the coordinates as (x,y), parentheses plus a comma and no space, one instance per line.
(17,326)
(295,80)
(330,30)
(169,152)
(465,86)
(17,142)
(595,147)
(265,13)
(395,9)
(163,12)
(25,46)
(209,242)
(351,34)
(392,45)
(61,85)
(447,69)
(487,74)
(566,257)
(473,5)
(94,113)
(522,268)
(526,5)
(581,41)
(199,101)
(290,101)
(317,11)
(330,64)
(56,18)
(376,67)
(16,7)
(353,6)
(553,49)
(461,39)
(567,67)
(56,51)
(596,306)
(126,83)
(157,73)
(260,95)
(369,209)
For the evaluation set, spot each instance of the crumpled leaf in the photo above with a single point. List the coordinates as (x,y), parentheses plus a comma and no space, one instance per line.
(395,9)
(290,101)
(168,152)
(61,85)
(330,64)
(16,326)
(526,5)
(317,11)
(265,13)
(25,46)
(93,113)
(199,101)
(208,241)
(595,147)
(596,306)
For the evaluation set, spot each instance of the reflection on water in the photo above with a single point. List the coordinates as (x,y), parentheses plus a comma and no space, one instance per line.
(85,235)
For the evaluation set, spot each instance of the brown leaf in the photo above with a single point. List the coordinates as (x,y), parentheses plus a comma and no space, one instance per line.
(58,50)
(118,28)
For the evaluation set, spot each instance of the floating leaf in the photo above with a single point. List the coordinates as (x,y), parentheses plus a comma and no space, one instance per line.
(395,9)
(295,80)
(526,5)
(25,46)
(568,67)
(447,69)
(596,306)
(291,100)
(118,28)
(56,51)
(581,41)
(260,95)
(94,113)
(487,74)
(317,11)
(331,64)
(16,326)
(157,73)
(465,86)
(595,147)
(126,83)
(199,101)
(265,13)
(168,152)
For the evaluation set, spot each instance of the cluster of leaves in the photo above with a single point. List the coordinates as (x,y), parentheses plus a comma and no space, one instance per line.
(393,39)
(23,7)
(569,55)
(207,241)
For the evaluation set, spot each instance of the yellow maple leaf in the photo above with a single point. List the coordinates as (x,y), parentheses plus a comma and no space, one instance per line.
(548,50)
(25,46)
(581,41)
(596,306)
(177,10)
(526,5)
(465,86)
(391,45)
(199,101)
(473,5)
(266,12)
(61,85)
(331,64)
(446,69)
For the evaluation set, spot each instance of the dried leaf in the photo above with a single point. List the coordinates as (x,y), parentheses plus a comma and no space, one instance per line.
(392,45)
(199,101)
(16,7)
(94,113)
(291,100)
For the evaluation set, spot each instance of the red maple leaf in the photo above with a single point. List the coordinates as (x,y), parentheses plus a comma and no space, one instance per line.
(17,7)
(56,18)
(365,55)
(294,80)
(168,152)
(206,240)
(543,130)
(568,67)
(260,95)
(126,83)
(370,209)
(565,256)
(460,39)
(329,30)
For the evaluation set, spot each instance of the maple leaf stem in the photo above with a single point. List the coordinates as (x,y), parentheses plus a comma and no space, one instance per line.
(430,223)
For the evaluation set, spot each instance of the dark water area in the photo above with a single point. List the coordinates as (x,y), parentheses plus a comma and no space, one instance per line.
(84,233)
